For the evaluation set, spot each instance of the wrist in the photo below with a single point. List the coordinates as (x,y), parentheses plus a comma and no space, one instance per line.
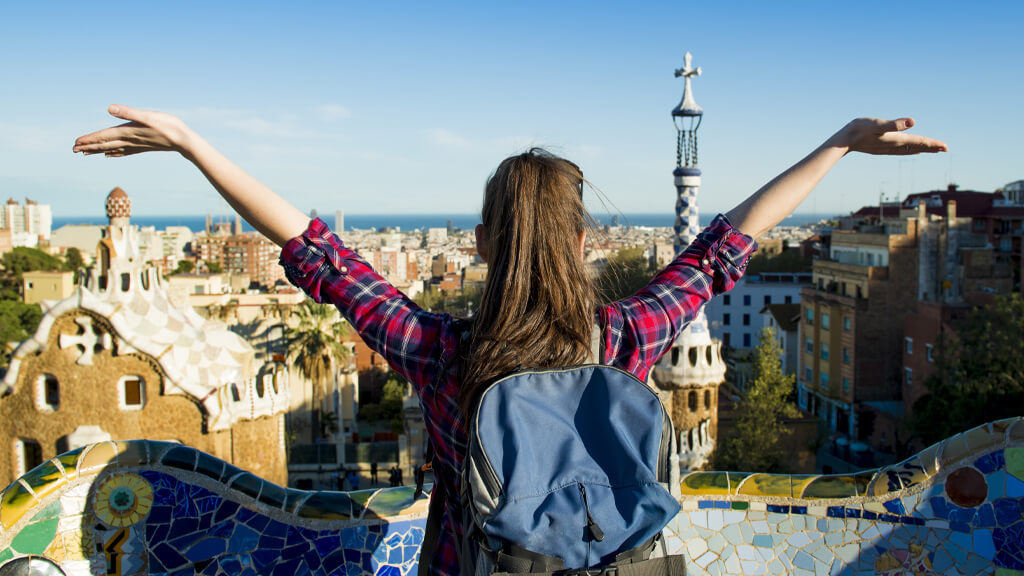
(841,140)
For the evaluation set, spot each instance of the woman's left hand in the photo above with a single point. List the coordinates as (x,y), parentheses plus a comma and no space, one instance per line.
(877,136)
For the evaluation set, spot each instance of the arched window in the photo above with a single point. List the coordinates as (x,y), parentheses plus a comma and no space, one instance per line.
(707,399)
(235,396)
(675,356)
(692,353)
(692,400)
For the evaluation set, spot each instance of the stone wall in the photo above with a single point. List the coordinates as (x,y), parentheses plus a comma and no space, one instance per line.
(159,508)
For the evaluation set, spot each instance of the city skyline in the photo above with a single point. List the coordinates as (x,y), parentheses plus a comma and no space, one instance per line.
(338,107)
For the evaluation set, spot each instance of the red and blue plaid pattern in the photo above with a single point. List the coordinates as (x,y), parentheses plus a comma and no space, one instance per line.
(421,345)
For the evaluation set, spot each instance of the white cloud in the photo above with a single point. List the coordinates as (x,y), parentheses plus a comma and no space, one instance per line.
(442,137)
(333,112)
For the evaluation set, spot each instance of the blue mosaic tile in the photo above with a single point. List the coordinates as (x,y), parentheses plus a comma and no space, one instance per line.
(276,529)
(181,526)
(705,504)
(205,549)
(853,512)
(288,568)
(226,510)
(991,462)
(895,506)
(221,530)
(986,518)
(763,541)
(1014,487)
(243,539)
(1007,510)
(271,543)
(256,522)
(159,515)
(835,512)
(312,559)
(888,518)
(327,544)
(264,559)
(725,504)
(869,515)
(294,536)
(156,532)
(960,526)
(231,564)
(168,556)
(984,546)
(295,551)
(778,509)
(962,515)
(798,509)
(940,507)
(353,538)
(388,571)
(334,561)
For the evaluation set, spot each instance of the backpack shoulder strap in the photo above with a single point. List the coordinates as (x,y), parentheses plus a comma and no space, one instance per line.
(596,345)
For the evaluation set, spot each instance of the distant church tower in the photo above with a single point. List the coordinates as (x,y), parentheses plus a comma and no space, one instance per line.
(690,373)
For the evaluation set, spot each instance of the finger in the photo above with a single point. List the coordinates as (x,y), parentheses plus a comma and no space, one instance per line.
(898,125)
(112,133)
(127,113)
(913,144)
(102,146)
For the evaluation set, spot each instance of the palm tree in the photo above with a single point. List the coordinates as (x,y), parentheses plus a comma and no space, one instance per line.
(316,350)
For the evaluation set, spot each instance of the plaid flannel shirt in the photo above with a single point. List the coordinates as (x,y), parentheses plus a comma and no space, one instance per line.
(421,345)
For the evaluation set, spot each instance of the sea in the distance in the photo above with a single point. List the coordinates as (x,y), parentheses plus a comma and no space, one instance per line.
(407,222)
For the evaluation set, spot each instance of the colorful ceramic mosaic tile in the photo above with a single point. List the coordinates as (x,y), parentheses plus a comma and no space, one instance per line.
(160,508)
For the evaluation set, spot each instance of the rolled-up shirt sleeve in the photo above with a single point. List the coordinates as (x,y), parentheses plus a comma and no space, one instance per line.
(640,329)
(412,340)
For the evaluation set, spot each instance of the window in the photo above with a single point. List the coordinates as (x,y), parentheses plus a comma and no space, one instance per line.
(133,393)
(126,281)
(908,376)
(824,381)
(809,346)
(707,399)
(235,396)
(979,224)
(846,385)
(746,299)
(691,400)
(788,300)
(726,319)
(846,323)
(727,299)
(746,340)
(746,319)
(825,323)
(824,351)
(910,345)
(29,454)
(767,299)
(809,316)
(846,355)
(47,393)
(808,375)
(928,352)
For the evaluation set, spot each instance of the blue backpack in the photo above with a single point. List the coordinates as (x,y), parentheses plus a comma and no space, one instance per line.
(566,472)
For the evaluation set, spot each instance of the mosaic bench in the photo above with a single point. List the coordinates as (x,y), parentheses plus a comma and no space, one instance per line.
(142,507)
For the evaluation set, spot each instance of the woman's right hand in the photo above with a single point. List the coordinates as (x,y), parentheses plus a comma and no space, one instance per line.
(145,131)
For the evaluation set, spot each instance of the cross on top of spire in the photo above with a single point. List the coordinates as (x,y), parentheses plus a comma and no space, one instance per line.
(688,106)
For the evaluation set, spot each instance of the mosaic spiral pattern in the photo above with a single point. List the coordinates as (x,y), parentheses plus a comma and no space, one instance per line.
(159,508)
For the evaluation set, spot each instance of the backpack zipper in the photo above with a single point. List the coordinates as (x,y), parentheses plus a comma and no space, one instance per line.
(595,531)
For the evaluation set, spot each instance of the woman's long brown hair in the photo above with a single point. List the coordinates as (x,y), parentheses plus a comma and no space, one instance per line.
(537,308)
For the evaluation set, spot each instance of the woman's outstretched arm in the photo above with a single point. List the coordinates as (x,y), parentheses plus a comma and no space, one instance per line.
(148,131)
(778,198)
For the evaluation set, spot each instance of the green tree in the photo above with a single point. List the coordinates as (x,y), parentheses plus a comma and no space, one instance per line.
(214,267)
(785,261)
(626,272)
(73,260)
(18,321)
(316,349)
(979,372)
(760,414)
(184,267)
(17,262)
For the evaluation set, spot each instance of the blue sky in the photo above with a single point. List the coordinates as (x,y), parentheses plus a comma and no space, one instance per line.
(407,107)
